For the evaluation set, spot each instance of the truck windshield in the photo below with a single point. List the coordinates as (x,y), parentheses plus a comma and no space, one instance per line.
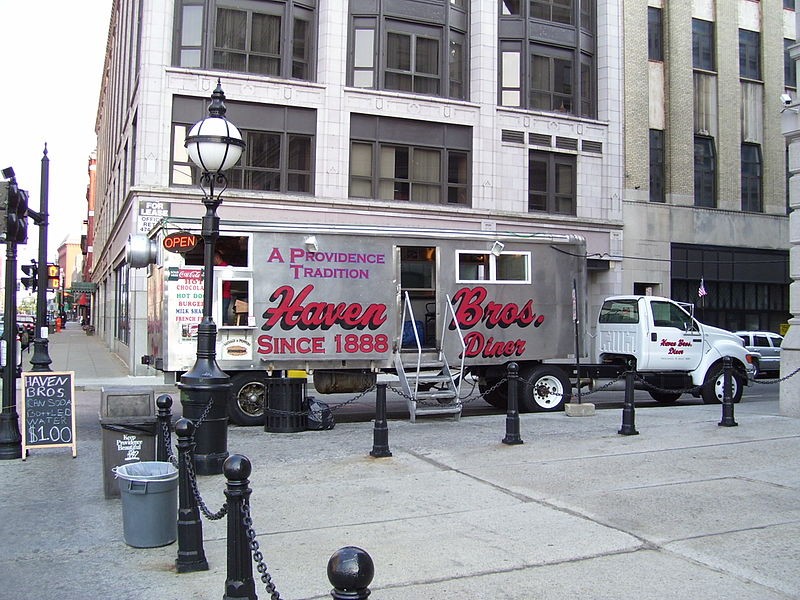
(619,311)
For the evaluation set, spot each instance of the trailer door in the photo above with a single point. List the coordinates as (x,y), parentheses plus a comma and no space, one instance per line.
(418,278)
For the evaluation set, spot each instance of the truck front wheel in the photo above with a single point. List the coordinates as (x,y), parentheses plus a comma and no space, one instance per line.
(713,388)
(544,389)
(246,402)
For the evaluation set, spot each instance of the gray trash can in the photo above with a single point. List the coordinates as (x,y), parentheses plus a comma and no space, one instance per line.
(149,492)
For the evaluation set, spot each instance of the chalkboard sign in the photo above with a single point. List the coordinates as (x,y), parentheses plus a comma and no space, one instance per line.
(48,411)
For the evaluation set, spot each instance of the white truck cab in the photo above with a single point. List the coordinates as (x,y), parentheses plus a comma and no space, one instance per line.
(669,348)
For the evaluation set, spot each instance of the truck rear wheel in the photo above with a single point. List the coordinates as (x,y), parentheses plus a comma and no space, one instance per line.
(497,397)
(714,386)
(246,402)
(544,389)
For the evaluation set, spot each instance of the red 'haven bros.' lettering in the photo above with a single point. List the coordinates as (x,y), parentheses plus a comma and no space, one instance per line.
(295,312)
(472,309)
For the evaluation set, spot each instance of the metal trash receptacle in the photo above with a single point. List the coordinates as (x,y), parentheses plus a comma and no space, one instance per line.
(285,410)
(128,428)
(149,492)
(125,440)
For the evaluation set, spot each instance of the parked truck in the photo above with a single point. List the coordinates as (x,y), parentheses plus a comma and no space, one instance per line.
(428,307)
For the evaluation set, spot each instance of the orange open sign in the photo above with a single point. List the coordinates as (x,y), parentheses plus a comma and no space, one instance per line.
(180,241)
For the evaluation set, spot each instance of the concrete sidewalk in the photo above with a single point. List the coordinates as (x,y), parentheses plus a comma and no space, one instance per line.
(686,509)
(95,366)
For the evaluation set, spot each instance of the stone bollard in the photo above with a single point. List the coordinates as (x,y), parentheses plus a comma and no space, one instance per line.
(350,571)
(628,410)
(191,556)
(164,417)
(512,416)
(240,582)
(727,394)
(380,433)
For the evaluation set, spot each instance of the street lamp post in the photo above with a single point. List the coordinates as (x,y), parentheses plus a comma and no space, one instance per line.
(40,361)
(215,145)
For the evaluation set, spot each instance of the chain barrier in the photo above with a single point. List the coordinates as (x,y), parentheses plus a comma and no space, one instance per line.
(778,380)
(258,557)
(695,389)
(332,407)
(211,516)
(166,431)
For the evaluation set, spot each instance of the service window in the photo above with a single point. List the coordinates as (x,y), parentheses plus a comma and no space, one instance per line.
(232,279)
(506,267)
(235,301)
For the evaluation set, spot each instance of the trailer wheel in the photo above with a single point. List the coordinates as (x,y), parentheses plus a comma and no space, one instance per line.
(664,397)
(544,389)
(498,397)
(246,402)
(713,388)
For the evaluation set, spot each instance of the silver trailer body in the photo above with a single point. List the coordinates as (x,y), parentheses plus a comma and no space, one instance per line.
(349,298)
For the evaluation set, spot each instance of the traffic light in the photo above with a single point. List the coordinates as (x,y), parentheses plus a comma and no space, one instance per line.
(30,282)
(16,217)
(53,278)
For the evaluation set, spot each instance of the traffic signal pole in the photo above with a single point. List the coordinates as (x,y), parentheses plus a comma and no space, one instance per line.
(40,360)
(10,439)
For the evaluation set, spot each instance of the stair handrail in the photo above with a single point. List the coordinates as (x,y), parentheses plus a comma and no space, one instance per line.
(408,309)
(451,309)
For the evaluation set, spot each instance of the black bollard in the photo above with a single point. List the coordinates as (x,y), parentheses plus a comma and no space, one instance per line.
(628,410)
(512,416)
(350,571)
(727,394)
(191,556)
(380,433)
(240,583)
(164,417)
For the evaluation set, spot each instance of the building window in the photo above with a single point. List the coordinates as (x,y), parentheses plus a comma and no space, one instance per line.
(557,11)
(705,172)
(655,34)
(547,62)
(396,159)
(789,70)
(269,37)
(749,54)
(788,4)
(552,183)
(122,329)
(657,162)
(703,45)
(279,160)
(417,50)
(752,173)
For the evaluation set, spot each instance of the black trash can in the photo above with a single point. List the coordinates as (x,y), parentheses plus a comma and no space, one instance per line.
(285,410)
(128,428)
(126,440)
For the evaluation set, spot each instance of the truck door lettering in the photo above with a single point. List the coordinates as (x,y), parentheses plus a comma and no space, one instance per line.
(295,312)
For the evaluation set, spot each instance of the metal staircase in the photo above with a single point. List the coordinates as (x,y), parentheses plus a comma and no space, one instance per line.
(425,376)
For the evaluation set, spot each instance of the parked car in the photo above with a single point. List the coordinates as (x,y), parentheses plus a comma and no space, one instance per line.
(768,345)
(27,327)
